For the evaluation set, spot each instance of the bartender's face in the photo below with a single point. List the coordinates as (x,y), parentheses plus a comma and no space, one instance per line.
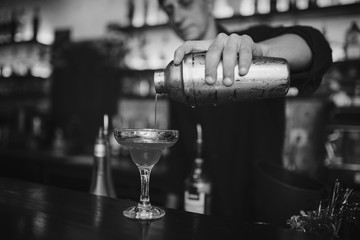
(189,18)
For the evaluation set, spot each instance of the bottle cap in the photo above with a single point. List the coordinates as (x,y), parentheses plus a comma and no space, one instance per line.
(159,81)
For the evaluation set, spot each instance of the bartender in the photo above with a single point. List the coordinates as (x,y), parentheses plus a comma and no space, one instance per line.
(236,135)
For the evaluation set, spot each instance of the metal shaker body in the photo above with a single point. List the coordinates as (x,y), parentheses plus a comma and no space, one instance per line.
(267,78)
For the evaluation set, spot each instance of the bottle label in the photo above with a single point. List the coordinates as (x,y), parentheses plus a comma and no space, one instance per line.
(195,202)
(99,150)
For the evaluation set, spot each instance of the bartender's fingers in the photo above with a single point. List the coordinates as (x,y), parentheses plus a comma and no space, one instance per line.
(230,58)
(245,54)
(247,50)
(188,47)
(213,56)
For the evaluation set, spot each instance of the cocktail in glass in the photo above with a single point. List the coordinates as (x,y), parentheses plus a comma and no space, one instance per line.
(145,146)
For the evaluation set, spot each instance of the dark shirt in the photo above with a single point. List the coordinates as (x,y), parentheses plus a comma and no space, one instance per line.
(236,135)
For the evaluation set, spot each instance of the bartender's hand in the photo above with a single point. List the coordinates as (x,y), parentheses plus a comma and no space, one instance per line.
(225,48)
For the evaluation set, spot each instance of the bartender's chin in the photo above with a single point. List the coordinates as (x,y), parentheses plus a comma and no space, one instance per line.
(188,36)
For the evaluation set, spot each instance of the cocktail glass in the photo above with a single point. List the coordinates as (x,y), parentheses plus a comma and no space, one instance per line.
(145,146)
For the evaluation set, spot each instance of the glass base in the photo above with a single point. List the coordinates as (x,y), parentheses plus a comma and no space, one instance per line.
(144,214)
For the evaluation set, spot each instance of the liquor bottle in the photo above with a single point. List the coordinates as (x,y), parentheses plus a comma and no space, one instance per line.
(197,196)
(101,182)
(352,42)
(267,78)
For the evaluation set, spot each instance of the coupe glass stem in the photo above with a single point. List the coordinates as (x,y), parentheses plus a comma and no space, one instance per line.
(144,202)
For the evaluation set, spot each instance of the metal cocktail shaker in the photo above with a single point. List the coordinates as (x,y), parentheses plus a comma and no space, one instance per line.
(185,83)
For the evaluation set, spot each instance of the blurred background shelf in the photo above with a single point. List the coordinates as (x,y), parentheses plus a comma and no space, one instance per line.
(314,12)
(95,58)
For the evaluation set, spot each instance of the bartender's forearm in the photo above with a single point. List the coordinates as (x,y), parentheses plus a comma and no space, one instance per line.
(292,47)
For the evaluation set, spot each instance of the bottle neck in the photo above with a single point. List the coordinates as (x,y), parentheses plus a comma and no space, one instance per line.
(198,166)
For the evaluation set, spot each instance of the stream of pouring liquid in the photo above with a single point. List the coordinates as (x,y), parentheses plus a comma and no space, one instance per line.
(156,97)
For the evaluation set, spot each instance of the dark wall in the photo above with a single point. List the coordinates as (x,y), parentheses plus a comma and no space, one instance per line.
(85,87)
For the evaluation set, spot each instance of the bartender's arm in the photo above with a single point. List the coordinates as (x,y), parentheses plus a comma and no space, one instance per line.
(292,47)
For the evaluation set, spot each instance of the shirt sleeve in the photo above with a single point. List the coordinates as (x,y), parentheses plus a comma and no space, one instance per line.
(309,80)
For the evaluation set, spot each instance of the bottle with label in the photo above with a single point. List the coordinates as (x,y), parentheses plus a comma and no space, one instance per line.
(267,78)
(352,42)
(101,183)
(197,196)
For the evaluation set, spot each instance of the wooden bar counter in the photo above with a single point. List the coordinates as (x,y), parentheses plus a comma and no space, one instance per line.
(34,211)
